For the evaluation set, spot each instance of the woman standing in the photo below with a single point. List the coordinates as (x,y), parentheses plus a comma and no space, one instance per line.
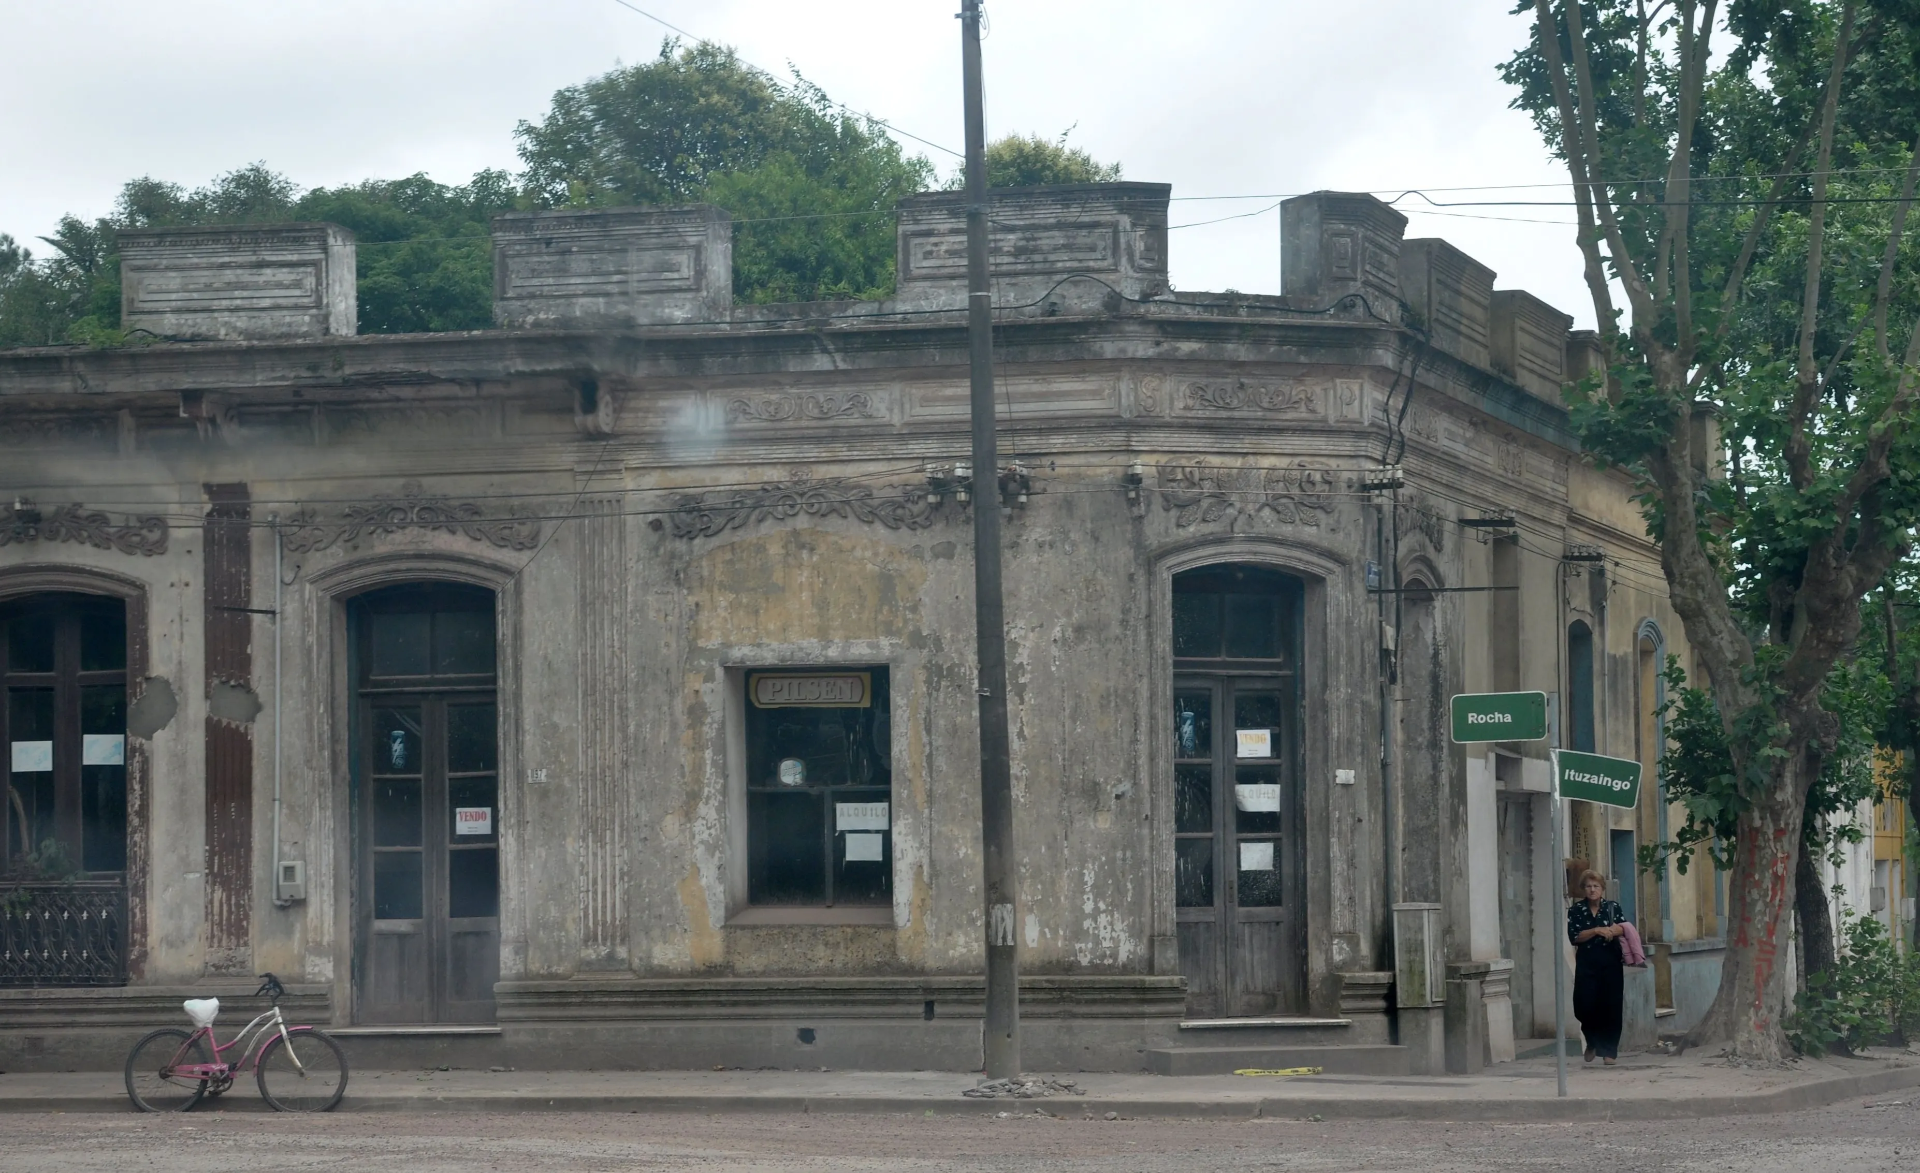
(1594,928)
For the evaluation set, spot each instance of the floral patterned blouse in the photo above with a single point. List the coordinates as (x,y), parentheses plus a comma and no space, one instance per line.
(1580,918)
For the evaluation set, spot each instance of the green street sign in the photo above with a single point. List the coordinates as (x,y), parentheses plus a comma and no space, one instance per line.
(1500,716)
(1590,776)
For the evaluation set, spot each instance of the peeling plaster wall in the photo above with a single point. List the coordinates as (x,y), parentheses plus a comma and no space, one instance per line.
(656,720)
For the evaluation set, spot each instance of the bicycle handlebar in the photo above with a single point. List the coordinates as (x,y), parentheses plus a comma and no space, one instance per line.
(271,987)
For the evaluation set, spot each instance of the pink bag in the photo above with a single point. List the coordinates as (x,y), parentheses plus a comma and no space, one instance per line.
(1631,951)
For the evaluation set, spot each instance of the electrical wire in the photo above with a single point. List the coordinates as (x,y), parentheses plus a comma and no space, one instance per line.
(769,73)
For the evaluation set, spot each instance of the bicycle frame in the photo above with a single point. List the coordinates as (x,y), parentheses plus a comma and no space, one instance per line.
(260,1031)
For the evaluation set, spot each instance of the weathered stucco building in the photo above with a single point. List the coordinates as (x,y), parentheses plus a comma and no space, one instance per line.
(603,681)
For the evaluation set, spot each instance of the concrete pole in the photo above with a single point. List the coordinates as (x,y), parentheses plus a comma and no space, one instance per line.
(1001,1031)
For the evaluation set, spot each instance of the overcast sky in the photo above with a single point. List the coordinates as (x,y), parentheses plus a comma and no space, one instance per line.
(1216,97)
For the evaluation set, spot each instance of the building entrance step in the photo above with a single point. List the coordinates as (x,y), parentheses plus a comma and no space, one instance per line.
(1349,1060)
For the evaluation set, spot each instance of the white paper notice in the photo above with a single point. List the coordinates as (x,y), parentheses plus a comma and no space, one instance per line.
(32,757)
(1259,797)
(866,847)
(1253,743)
(1256,857)
(473,820)
(860,816)
(103,749)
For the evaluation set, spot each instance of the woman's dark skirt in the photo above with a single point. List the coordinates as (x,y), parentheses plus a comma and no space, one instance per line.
(1599,982)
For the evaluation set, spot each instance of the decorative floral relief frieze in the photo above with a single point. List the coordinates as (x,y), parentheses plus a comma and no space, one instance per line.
(56,430)
(809,405)
(145,536)
(1418,516)
(1199,492)
(893,506)
(413,510)
(1240,395)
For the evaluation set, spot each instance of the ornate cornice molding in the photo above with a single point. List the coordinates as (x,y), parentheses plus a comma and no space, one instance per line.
(1198,492)
(893,506)
(145,536)
(412,510)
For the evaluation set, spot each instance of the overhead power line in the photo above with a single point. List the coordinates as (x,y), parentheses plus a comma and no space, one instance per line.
(837,105)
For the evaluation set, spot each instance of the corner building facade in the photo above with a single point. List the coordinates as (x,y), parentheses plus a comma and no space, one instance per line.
(601,685)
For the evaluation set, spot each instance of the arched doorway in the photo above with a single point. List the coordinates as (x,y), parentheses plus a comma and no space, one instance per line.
(425,761)
(63,807)
(1239,874)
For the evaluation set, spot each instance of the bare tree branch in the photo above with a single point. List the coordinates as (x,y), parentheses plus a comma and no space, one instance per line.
(1884,290)
(1695,47)
(1573,147)
(1630,278)
(1799,447)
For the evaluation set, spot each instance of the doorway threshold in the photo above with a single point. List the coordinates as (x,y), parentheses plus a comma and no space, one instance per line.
(1240,1023)
(431,1028)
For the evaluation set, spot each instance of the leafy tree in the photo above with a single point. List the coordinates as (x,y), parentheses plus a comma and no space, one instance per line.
(1031,161)
(698,125)
(425,259)
(425,252)
(1751,207)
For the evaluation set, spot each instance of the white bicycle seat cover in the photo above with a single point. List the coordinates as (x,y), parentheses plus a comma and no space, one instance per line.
(202,1010)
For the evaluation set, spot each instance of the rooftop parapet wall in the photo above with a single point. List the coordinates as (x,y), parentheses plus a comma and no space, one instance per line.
(1529,343)
(614,268)
(1337,243)
(1038,238)
(269,282)
(1452,295)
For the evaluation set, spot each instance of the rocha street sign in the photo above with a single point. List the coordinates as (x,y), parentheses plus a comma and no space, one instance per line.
(1499,716)
(1596,778)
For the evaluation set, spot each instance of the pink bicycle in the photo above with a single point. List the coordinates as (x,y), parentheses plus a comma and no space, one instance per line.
(298,1068)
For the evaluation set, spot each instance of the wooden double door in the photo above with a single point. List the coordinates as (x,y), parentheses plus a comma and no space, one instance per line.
(427,730)
(1239,880)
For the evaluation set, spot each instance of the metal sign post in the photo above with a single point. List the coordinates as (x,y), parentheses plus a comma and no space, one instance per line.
(1480,717)
(1559,951)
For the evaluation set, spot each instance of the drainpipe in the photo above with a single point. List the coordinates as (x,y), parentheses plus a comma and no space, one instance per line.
(278,589)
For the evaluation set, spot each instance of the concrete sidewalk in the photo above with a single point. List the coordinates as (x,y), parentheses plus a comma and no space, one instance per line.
(1642,1087)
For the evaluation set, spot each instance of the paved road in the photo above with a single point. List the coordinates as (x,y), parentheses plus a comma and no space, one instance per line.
(1855,1138)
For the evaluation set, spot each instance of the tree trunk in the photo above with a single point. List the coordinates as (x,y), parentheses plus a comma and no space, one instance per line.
(1816,917)
(1749,1012)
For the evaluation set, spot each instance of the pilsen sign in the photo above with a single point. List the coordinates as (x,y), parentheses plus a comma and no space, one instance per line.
(820,690)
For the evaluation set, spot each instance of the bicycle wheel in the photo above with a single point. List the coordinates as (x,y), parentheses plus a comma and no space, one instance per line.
(315,1084)
(150,1083)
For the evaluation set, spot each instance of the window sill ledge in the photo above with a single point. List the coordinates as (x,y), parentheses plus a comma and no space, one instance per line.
(879,917)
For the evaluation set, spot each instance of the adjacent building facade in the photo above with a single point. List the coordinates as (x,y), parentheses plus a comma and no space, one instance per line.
(604,681)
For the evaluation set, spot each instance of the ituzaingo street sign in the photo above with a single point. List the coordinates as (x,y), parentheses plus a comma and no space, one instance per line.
(1499,716)
(1590,776)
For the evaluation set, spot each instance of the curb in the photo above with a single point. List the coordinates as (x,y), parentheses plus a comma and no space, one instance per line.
(1814,1094)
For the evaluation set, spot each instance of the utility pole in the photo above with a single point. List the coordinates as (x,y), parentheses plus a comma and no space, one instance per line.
(1001,1032)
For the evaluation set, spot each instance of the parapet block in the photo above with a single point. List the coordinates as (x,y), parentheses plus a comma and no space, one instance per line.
(1060,248)
(1529,343)
(1336,243)
(269,282)
(613,268)
(1451,295)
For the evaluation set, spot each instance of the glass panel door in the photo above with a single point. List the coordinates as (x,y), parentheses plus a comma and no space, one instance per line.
(429,886)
